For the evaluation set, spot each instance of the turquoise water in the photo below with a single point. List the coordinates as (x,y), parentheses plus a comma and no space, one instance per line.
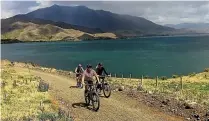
(162,56)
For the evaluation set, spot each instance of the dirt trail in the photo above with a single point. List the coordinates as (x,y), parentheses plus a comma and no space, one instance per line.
(116,108)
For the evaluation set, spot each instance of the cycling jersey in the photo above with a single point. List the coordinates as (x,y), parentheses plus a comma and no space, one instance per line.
(79,69)
(89,75)
(101,70)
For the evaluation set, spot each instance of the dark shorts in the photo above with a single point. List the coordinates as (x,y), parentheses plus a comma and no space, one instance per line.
(77,75)
(88,81)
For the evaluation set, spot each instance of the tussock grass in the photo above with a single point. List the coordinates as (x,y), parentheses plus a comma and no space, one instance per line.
(195,86)
(21,100)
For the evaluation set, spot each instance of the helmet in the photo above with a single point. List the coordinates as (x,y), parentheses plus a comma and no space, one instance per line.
(89,66)
(79,65)
(100,64)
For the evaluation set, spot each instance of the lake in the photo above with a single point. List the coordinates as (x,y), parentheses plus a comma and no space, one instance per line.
(162,56)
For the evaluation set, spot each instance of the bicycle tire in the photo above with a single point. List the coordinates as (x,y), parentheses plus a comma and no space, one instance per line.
(106,87)
(87,98)
(95,98)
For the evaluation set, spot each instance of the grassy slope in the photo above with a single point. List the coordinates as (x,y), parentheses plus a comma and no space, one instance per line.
(21,100)
(195,87)
(33,32)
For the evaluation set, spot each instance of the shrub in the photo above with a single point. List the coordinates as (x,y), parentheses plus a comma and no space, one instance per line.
(43,87)
(146,77)
(192,74)
(47,116)
(206,70)
(175,76)
(163,78)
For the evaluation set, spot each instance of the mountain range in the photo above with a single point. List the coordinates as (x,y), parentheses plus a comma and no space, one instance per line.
(197,27)
(107,21)
(80,23)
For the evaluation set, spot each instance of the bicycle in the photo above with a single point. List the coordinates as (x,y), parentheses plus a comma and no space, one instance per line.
(79,81)
(103,86)
(91,96)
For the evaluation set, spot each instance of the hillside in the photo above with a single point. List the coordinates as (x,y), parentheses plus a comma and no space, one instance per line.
(105,20)
(196,27)
(6,24)
(29,31)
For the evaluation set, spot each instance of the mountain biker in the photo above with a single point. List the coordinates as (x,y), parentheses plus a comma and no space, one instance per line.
(100,69)
(78,70)
(88,75)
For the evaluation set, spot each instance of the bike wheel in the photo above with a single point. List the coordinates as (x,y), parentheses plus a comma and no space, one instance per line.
(87,98)
(95,101)
(98,89)
(106,90)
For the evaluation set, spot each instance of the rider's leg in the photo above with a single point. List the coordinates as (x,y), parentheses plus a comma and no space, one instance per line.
(86,85)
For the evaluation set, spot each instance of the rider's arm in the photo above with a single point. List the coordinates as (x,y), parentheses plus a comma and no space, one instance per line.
(82,78)
(82,69)
(96,70)
(76,70)
(105,71)
(97,77)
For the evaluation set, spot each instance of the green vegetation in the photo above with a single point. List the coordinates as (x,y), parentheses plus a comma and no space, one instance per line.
(163,78)
(192,74)
(175,76)
(21,99)
(192,88)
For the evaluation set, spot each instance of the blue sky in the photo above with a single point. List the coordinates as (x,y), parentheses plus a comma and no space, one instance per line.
(166,12)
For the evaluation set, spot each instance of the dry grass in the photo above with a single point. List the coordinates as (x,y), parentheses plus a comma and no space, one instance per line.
(20,98)
(195,86)
(34,32)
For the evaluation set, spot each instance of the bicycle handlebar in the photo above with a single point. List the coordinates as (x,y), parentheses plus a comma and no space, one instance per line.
(103,76)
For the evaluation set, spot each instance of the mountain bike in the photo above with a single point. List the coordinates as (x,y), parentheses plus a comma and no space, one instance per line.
(103,86)
(91,96)
(79,81)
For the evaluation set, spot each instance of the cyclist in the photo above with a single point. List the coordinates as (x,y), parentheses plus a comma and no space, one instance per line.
(78,70)
(88,75)
(100,69)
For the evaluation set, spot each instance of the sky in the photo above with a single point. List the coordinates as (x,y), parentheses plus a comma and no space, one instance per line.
(165,12)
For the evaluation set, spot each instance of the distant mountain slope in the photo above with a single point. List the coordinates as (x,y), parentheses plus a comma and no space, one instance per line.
(189,25)
(5,24)
(28,31)
(197,27)
(107,21)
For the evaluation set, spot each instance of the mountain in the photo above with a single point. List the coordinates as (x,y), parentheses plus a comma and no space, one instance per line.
(26,29)
(188,25)
(5,24)
(197,27)
(105,20)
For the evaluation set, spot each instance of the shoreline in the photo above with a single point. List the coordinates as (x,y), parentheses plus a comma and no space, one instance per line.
(31,65)
(11,41)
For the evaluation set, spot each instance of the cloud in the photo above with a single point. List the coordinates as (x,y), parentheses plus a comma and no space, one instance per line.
(41,4)
(11,8)
(165,12)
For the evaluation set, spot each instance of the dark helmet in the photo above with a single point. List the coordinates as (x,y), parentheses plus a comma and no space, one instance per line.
(89,66)
(99,64)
